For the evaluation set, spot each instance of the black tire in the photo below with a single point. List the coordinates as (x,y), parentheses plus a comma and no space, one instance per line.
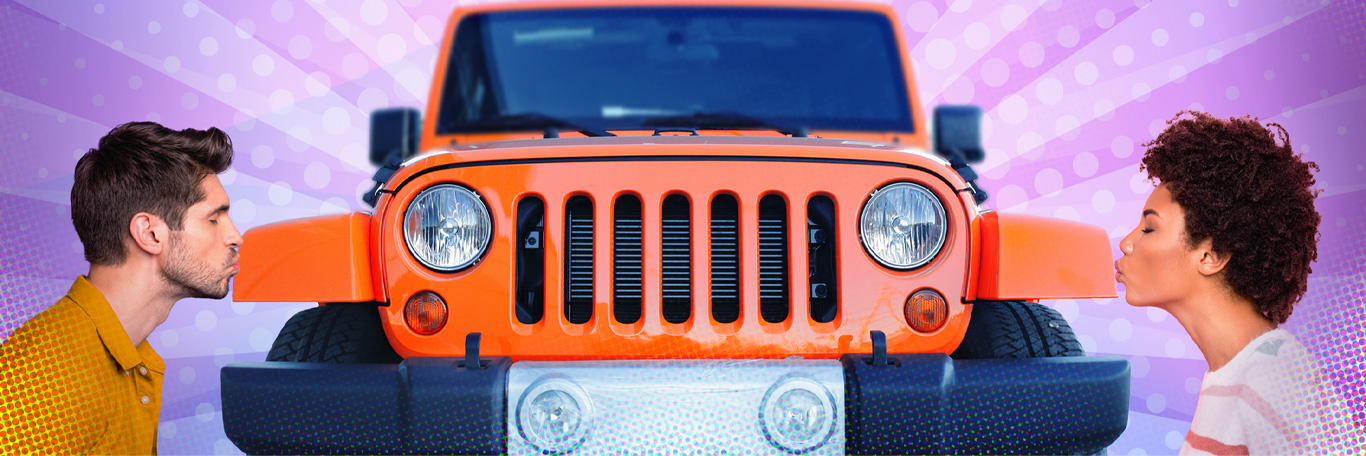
(1017,329)
(334,333)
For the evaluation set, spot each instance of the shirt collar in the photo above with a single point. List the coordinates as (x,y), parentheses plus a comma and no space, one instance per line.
(111,331)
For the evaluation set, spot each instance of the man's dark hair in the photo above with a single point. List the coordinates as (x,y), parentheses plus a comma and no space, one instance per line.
(141,167)
(1252,197)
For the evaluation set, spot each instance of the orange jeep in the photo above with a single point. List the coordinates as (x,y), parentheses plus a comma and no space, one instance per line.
(719,226)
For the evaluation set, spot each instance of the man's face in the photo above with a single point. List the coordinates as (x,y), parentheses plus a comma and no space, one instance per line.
(1157,267)
(202,256)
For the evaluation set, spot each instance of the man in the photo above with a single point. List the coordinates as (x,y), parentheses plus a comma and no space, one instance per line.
(148,206)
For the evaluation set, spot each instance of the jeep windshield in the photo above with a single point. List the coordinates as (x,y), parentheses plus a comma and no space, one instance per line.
(779,69)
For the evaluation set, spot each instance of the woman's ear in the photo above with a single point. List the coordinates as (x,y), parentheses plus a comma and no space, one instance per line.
(1211,262)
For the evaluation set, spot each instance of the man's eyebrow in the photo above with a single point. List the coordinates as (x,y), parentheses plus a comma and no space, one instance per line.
(1150,211)
(223,208)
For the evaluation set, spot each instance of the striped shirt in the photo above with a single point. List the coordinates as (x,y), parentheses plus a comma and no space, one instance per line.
(1269,399)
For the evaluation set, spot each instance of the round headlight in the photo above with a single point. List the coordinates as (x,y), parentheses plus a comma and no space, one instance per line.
(554,416)
(903,226)
(798,415)
(447,227)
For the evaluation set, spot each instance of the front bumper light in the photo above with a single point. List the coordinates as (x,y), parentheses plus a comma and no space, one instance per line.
(447,228)
(555,415)
(903,226)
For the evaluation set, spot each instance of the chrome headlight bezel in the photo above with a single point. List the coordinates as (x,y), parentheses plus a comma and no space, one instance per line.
(481,214)
(938,220)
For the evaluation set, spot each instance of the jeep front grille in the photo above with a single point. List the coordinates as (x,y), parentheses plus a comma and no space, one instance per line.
(773,305)
(626,256)
(675,259)
(725,259)
(578,261)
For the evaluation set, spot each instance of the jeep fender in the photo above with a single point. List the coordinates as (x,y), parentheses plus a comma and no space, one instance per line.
(1026,257)
(319,259)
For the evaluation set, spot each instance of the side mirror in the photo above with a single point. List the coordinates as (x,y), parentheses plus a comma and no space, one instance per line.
(958,131)
(394,131)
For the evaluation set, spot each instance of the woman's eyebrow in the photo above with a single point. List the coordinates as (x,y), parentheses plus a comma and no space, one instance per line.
(1152,212)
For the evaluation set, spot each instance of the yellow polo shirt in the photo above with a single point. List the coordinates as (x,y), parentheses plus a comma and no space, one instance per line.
(71,382)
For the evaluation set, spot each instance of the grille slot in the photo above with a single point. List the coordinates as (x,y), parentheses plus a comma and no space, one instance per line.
(578,261)
(626,260)
(725,259)
(676,259)
(774,306)
(821,231)
(530,293)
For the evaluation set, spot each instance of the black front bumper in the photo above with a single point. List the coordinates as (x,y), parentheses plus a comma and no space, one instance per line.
(915,404)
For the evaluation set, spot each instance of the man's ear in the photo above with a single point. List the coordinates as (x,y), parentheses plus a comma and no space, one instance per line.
(150,233)
(1210,262)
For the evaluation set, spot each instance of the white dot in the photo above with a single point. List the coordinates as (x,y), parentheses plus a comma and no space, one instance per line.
(169,338)
(205,320)
(166,429)
(1139,366)
(977,35)
(261,339)
(134,82)
(1103,201)
(99,8)
(374,12)
(282,10)
(1124,55)
(1305,57)
(1122,146)
(940,53)
(1234,3)
(1088,343)
(116,45)
(411,83)
(1013,109)
(1068,36)
(208,46)
(186,375)
(299,138)
(1011,197)
(958,90)
(280,100)
(334,206)
(336,120)
(1177,73)
(1121,329)
(1104,109)
(280,193)
(1250,37)
(243,211)
(189,100)
(1193,385)
(354,65)
(1067,213)
(1342,221)
(959,6)
(204,412)
(1156,127)
(1160,37)
(1049,91)
(1067,308)
(171,64)
(300,47)
(80,63)
(1067,127)
(1029,145)
(1012,16)
(263,65)
(227,83)
(392,48)
(1105,18)
(242,307)
(1231,92)
(1086,73)
(154,27)
(1140,91)
(1031,54)
(222,356)
(1269,75)
(153,116)
(317,83)
(426,29)
(1213,55)
(1085,164)
(244,119)
(1138,452)
(225,446)
(316,175)
(1156,315)
(245,28)
(995,72)
(97,100)
(921,16)
(191,9)
(1157,403)
(262,156)
(1174,439)
(1048,182)
(1197,19)
(355,154)
(228,177)
(1342,131)
(1175,348)
(1287,111)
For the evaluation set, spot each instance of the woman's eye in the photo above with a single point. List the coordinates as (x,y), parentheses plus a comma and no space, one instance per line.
(1147,230)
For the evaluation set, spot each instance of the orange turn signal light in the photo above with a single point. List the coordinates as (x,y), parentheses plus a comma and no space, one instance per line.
(425,313)
(926,311)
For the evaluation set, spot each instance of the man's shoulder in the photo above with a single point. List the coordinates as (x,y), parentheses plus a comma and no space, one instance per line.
(64,325)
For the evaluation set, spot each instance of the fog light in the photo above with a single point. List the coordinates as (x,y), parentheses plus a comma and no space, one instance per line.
(797,414)
(425,313)
(926,311)
(554,415)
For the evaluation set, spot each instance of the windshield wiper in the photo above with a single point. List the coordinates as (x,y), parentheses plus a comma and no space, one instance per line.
(533,121)
(723,120)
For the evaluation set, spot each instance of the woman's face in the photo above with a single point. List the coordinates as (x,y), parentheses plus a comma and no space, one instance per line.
(1158,268)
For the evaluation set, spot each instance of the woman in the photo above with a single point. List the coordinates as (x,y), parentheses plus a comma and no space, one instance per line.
(1225,244)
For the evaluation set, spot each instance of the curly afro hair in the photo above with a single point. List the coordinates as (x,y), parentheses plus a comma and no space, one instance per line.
(1251,197)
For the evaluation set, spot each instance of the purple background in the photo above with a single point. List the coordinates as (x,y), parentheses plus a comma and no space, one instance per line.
(1071,89)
